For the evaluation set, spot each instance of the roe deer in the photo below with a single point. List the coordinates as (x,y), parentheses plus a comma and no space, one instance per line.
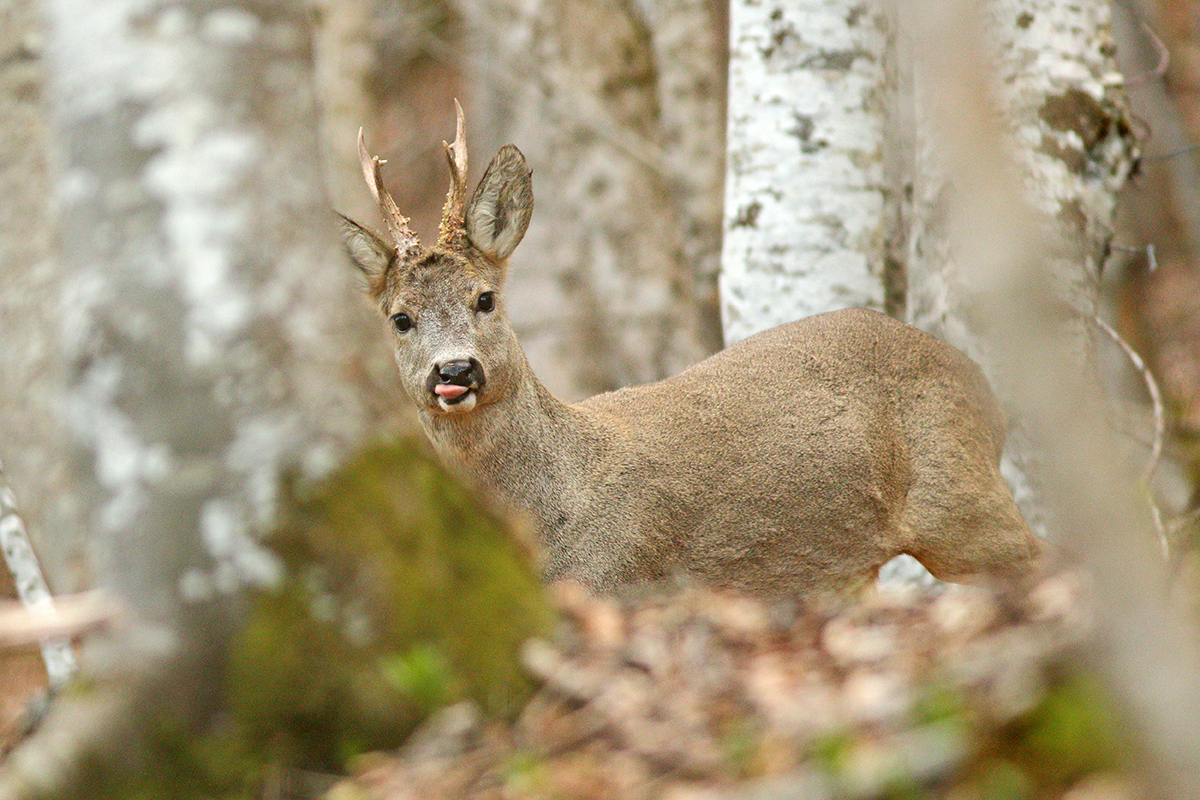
(796,462)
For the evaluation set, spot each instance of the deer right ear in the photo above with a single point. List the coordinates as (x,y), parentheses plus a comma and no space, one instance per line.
(368,252)
(499,211)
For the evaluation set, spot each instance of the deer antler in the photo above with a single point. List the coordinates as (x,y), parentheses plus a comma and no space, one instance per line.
(456,155)
(397,224)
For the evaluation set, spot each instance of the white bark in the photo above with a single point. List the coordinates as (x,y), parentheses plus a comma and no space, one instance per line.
(1054,77)
(31,584)
(204,300)
(804,190)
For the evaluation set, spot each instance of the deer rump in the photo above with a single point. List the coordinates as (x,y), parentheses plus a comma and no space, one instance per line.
(798,462)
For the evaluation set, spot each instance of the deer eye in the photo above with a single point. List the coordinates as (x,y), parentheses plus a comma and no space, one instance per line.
(486,301)
(402,321)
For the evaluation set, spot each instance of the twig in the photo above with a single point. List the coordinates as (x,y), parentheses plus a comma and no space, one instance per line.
(1164,54)
(1160,426)
(1179,151)
(1148,249)
(31,585)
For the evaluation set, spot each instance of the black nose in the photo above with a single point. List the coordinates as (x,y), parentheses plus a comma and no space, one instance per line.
(462,373)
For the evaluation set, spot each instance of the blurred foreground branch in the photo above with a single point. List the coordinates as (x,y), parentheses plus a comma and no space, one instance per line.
(1009,255)
(72,616)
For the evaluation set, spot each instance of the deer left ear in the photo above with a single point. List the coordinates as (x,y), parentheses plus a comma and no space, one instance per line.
(369,253)
(500,209)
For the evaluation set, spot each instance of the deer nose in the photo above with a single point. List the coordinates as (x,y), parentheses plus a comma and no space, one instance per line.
(467,372)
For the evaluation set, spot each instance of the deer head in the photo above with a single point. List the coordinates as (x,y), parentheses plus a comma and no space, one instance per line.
(453,343)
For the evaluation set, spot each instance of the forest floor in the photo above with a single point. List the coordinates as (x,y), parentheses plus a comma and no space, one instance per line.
(688,694)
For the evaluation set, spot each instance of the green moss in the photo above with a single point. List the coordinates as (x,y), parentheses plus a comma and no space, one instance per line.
(405,594)
(525,773)
(1000,780)
(740,740)
(1072,733)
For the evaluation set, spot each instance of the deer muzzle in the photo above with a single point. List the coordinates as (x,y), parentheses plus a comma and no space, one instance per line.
(454,384)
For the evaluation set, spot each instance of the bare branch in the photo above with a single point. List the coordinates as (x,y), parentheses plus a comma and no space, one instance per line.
(71,617)
(1164,55)
(1156,402)
(1160,427)
(30,583)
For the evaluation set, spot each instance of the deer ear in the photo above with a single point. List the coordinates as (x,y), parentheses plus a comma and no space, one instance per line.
(368,252)
(499,211)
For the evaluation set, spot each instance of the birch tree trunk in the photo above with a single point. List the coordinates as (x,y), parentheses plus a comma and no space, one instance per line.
(619,118)
(205,319)
(804,187)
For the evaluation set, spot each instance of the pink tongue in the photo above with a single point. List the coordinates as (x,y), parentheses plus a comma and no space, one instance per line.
(449,390)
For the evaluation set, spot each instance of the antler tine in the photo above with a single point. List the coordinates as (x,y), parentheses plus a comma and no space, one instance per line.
(456,197)
(370,166)
(397,224)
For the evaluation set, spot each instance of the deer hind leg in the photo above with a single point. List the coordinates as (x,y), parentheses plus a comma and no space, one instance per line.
(971,533)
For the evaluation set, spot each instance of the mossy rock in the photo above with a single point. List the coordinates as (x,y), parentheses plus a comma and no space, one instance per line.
(404,592)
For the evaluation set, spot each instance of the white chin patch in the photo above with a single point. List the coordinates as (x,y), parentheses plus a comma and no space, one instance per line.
(461,407)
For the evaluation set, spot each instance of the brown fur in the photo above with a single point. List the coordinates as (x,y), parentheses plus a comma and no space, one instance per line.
(794,463)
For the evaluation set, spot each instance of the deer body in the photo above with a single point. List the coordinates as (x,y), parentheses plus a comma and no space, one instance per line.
(796,462)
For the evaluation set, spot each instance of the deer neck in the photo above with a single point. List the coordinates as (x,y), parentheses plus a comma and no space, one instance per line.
(522,446)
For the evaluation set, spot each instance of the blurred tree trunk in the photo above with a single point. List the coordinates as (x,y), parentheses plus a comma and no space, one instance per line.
(1066,121)
(1020,289)
(33,444)
(344,63)
(208,317)
(619,116)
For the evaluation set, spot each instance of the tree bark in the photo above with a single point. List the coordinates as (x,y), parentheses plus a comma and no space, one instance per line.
(206,321)
(33,444)
(614,282)
(804,186)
